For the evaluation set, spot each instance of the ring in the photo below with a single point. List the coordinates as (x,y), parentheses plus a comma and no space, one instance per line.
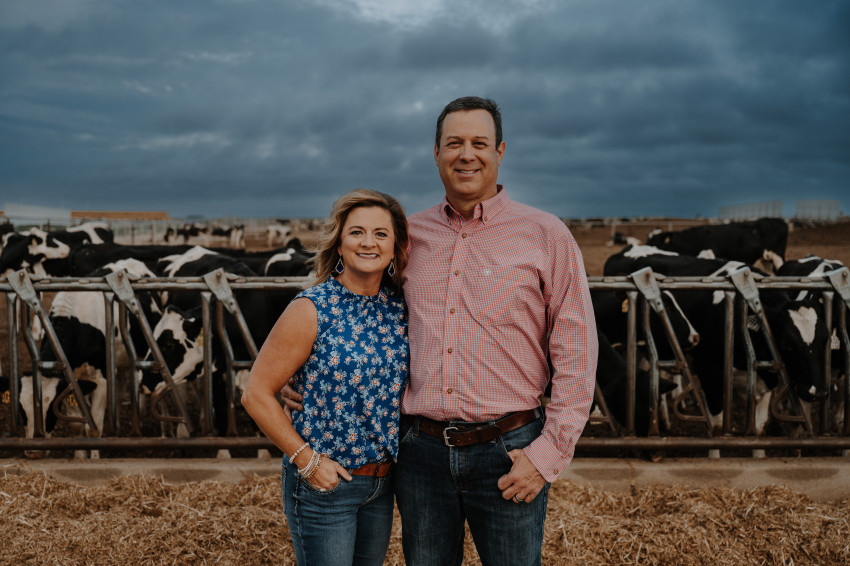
(517,499)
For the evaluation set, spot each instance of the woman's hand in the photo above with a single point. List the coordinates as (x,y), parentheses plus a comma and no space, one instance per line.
(328,474)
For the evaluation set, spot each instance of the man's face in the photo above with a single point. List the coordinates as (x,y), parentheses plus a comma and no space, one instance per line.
(467,156)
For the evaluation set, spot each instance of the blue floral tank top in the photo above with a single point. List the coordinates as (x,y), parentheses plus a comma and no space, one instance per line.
(353,379)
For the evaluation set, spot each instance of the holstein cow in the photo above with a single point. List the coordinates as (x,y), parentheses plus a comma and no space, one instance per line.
(814,267)
(277,234)
(179,333)
(760,243)
(48,253)
(79,320)
(234,233)
(800,335)
(611,375)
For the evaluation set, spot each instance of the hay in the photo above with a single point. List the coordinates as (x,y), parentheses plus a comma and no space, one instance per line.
(143,520)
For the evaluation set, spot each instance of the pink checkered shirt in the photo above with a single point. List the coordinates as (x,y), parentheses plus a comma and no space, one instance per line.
(483,296)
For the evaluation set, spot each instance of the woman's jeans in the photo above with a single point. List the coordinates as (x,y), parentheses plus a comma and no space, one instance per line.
(349,524)
(439,487)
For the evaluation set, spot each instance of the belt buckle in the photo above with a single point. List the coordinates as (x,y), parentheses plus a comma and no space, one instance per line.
(446,435)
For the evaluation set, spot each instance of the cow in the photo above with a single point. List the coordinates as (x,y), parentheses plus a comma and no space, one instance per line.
(50,389)
(234,233)
(79,320)
(48,253)
(814,267)
(179,333)
(800,335)
(760,243)
(277,233)
(6,227)
(611,311)
(187,231)
(291,263)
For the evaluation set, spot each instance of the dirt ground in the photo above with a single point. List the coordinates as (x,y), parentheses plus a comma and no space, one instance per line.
(143,520)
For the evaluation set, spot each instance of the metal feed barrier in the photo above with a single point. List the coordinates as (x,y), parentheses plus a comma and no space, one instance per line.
(643,288)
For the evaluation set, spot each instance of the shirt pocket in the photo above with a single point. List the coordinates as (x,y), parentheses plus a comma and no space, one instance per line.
(502,295)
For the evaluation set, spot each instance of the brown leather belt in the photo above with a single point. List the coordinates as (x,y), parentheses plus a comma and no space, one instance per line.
(461,434)
(375,469)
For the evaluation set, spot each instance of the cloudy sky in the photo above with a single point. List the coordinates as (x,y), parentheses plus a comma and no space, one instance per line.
(272,108)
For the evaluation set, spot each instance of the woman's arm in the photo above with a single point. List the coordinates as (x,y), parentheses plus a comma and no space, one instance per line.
(285,350)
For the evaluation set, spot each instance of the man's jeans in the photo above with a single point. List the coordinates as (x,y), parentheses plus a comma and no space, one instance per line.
(354,519)
(437,487)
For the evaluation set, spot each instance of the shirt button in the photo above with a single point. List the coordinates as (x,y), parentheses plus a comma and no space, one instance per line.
(452,311)
(457,272)
(463,235)
(449,350)
(449,390)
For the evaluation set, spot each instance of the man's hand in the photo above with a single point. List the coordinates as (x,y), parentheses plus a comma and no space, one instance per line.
(291,399)
(523,481)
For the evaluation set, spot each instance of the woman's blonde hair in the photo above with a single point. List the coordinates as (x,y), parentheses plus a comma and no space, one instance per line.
(327,256)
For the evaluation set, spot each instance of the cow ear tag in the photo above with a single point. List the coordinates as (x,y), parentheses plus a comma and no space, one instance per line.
(625,306)
(200,342)
(5,399)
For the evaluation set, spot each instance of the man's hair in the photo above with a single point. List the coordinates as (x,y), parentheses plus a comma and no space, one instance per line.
(327,256)
(471,103)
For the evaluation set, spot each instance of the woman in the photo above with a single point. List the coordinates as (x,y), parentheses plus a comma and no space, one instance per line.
(344,340)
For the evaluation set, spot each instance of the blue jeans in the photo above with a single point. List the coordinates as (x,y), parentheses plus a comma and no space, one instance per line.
(439,487)
(347,525)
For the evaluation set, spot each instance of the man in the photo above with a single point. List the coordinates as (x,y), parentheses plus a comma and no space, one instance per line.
(495,290)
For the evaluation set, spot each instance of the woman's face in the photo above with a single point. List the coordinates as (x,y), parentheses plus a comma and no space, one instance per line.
(367,240)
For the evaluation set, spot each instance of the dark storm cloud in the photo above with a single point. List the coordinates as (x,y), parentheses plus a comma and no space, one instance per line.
(250,108)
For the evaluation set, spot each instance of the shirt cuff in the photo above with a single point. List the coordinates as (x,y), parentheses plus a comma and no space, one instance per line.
(548,459)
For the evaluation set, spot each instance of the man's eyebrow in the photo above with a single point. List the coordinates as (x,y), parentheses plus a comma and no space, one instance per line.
(458,137)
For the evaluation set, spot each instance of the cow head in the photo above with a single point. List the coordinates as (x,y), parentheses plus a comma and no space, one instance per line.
(50,388)
(802,338)
(28,250)
(179,336)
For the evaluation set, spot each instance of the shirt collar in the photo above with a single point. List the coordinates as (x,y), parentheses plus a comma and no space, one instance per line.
(485,210)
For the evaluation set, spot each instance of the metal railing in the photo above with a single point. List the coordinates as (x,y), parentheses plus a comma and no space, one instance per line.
(741,298)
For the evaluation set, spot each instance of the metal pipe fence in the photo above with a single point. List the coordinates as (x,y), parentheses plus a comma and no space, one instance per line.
(740,291)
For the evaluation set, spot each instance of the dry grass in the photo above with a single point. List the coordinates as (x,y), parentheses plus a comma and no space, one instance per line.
(144,520)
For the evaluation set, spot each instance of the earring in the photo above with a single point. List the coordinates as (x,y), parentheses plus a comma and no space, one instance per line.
(391,268)
(339,266)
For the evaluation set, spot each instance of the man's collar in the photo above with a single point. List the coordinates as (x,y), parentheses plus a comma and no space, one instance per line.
(485,210)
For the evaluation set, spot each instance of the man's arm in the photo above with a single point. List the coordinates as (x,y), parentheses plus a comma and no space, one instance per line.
(573,349)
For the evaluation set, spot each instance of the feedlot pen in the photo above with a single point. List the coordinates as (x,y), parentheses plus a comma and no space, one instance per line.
(133,422)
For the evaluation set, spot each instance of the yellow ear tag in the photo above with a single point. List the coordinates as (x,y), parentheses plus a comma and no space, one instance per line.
(200,342)
(625,306)
(72,400)
(6,398)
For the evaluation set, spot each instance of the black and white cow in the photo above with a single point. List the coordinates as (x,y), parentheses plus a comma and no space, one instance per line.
(611,376)
(79,321)
(48,253)
(179,333)
(278,233)
(290,263)
(611,309)
(800,334)
(814,267)
(760,242)
(234,233)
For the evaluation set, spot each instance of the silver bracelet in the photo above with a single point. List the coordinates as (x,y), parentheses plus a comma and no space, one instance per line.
(312,467)
(297,452)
